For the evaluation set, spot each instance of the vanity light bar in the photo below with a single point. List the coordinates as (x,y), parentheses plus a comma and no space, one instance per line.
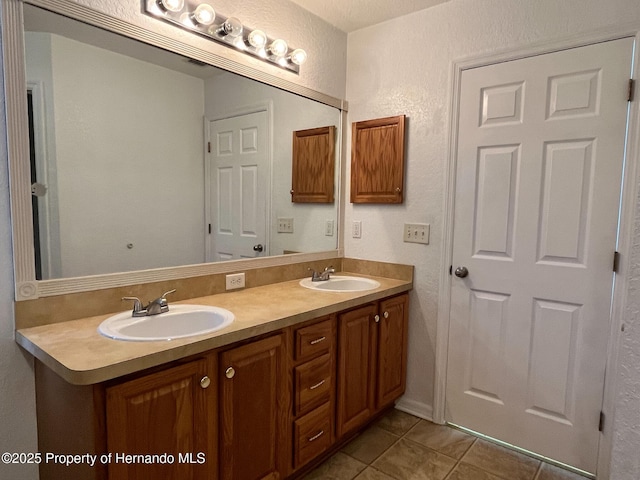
(202,19)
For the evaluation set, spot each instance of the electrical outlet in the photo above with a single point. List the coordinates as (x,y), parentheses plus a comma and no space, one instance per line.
(328,229)
(416,233)
(235,280)
(285,225)
(356,231)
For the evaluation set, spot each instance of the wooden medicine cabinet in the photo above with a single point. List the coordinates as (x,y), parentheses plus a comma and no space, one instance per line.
(313,165)
(377,160)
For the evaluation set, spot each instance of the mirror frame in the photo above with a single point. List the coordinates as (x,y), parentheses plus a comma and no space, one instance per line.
(26,285)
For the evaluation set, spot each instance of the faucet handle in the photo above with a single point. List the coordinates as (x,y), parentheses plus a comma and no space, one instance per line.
(137,304)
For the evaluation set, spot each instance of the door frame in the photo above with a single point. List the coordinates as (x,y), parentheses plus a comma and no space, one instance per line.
(238,112)
(627,216)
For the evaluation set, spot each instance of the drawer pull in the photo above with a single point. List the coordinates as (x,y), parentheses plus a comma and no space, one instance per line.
(317,340)
(317,384)
(316,436)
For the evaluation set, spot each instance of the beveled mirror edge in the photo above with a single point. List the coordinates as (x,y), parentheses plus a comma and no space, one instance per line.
(26,286)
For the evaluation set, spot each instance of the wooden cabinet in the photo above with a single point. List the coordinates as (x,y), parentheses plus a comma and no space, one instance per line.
(171,414)
(377,160)
(371,360)
(313,165)
(254,406)
(263,409)
(313,361)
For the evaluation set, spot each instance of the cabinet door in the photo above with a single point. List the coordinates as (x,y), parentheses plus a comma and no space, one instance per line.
(356,365)
(313,165)
(254,406)
(377,160)
(171,412)
(392,350)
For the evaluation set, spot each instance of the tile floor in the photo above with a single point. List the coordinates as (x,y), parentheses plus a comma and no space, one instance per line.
(400,446)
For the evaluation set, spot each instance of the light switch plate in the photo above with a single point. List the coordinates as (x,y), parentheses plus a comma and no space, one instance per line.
(285,225)
(416,233)
(356,231)
(328,228)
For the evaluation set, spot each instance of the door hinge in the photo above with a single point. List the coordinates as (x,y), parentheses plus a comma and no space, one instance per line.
(632,89)
(209,229)
(601,422)
(208,147)
(616,261)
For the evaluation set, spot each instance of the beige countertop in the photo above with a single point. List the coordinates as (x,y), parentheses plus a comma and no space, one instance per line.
(79,354)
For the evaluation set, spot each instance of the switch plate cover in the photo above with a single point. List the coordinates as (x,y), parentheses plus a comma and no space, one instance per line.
(416,233)
(285,225)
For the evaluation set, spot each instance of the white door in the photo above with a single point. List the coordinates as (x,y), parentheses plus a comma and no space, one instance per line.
(539,164)
(239,182)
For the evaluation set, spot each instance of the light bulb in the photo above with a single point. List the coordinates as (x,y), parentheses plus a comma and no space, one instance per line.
(298,56)
(257,39)
(231,27)
(171,5)
(204,14)
(278,47)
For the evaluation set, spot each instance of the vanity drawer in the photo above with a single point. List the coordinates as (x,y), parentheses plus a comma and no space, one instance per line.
(314,340)
(313,382)
(312,435)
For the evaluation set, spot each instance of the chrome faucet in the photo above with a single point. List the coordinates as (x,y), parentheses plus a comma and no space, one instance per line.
(321,277)
(155,307)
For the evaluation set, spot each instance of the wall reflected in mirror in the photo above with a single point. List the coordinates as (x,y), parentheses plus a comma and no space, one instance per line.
(145,159)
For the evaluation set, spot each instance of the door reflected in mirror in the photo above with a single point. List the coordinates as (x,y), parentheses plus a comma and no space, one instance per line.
(145,159)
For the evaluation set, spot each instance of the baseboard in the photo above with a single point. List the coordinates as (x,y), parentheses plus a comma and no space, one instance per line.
(413,407)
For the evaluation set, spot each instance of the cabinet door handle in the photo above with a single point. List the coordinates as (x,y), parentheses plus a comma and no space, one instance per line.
(316,436)
(229,372)
(317,384)
(377,318)
(317,340)
(205,382)
(386,314)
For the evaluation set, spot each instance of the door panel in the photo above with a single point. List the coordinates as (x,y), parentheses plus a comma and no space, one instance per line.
(239,186)
(539,167)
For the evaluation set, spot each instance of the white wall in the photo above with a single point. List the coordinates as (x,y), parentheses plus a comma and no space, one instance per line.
(127,165)
(17,395)
(226,94)
(325,45)
(407,70)
(324,71)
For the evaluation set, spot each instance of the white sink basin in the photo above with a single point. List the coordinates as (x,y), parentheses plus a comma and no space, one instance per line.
(341,283)
(179,322)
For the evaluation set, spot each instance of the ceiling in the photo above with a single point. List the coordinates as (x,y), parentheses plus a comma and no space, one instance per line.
(350,15)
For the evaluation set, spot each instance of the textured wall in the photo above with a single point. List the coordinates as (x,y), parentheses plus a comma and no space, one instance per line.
(17,395)
(403,67)
(324,70)
(625,463)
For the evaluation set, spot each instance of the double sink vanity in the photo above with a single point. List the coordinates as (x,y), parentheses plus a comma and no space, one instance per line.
(261,382)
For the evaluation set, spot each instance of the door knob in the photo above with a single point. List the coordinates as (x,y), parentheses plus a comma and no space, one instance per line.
(258,248)
(205,382)
(461,272)
(230,372)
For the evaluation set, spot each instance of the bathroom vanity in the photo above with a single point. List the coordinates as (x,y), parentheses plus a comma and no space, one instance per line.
(297,374)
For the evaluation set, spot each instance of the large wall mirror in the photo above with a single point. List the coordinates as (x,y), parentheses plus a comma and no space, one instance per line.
(143,161)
